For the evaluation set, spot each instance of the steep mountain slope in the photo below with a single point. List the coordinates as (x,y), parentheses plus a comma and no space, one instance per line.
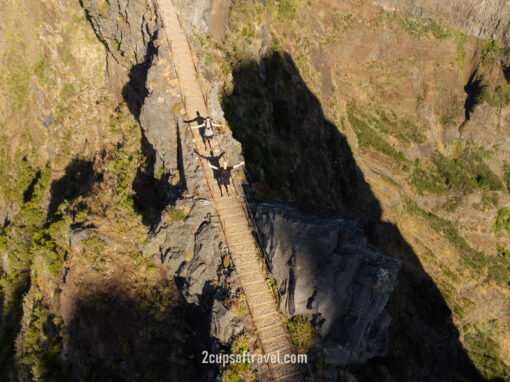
(423,111)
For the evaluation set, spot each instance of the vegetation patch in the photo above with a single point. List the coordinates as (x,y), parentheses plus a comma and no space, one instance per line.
(301,333)
(103,9)
(497,95)
(484,351)
(176,214)
(491,50)
(474,260)
(424,180)
(369,136)
(423,28)
(502,221)
(237,371)
(467,172)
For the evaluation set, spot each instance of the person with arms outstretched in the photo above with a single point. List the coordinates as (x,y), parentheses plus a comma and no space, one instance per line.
(225,172)
(208,131)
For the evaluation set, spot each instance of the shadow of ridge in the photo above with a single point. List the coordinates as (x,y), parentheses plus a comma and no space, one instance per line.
(78,180)
(153,194)
(114,337)
(291,147)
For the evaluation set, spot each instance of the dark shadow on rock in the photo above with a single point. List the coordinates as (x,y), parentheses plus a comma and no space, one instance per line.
(506,73)
(10,324)
(290,146)
(27,194)
(199,119)
(152,194)
(135,91)
(77,181)
(114,337)
(473,89)
(214,160)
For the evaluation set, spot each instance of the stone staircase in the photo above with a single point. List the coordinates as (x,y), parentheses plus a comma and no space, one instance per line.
(271,329)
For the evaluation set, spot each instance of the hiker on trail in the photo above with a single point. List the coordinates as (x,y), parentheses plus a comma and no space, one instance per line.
(207,134)
(225,174)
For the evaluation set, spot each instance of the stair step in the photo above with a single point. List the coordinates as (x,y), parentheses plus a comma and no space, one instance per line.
(254,287)
(259,297)
(247,247)
(232,212)
(247,268)
(286,371)
(275,343)
(247,261)
(263,309)
(228,202)
(232,229)
(262,322)
(272,332)
(239,238)
(285,349)
(251,278)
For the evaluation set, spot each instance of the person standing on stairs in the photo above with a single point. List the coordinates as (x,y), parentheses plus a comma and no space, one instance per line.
(208,132)
(225,173)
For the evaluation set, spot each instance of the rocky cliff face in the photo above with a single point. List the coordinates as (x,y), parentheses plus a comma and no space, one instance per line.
(326,270)
(486,19)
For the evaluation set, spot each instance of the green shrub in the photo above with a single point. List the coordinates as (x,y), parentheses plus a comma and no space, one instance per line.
(426,181)
(502,220)
(421,28)
(235,372)
(489,50)
(301,333)
(42,69)
(467,172)
(81,216)
(67,91)
(483,351)
(18,83)
(497,95)
(176,214)
(506,175)
(502,251)
(286,10)
(103,9)
(94,244)
(369,137)
(461,50)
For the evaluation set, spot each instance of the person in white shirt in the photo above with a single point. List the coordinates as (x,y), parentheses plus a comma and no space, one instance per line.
(208,132)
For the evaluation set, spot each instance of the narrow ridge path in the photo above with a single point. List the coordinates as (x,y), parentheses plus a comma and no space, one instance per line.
(271,329)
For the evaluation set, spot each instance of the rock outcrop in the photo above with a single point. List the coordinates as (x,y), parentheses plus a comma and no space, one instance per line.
(191,248)
(158,113)
(326,270)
